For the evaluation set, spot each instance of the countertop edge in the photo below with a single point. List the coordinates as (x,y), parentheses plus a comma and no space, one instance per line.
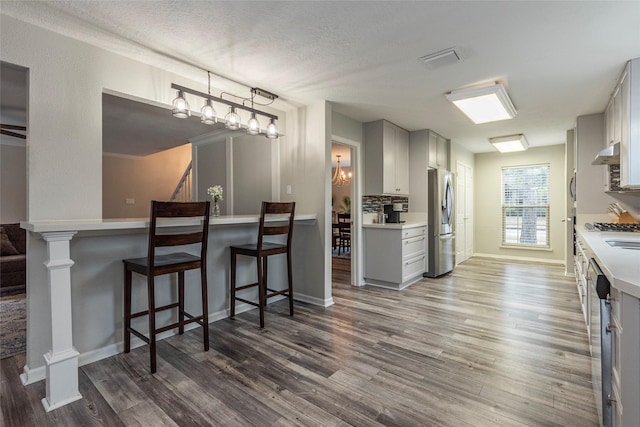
(48,226)
(618,269)
(392,226)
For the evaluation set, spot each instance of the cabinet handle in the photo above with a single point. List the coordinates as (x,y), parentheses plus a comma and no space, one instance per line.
(610,327)
(610,399)
(414,261)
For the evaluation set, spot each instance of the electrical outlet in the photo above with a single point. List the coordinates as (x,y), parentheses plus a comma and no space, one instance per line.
(129,201)
(288,189)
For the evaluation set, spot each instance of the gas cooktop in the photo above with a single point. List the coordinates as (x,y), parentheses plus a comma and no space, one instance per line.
(612,226)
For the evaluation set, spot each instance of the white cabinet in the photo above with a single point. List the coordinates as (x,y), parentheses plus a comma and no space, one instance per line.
(625,339)
(394,257)
(438,151)
(622,122)
(630,125)
(424,146)
(625,376)
(581,265)
(386,159)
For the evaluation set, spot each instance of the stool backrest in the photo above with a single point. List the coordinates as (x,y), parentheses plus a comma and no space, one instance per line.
(172,210)
(286,212)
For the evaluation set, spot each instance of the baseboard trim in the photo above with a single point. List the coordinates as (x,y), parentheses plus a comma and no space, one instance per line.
(518,258)
(327,302)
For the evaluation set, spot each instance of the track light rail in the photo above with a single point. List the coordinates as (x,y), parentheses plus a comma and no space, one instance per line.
(224,101)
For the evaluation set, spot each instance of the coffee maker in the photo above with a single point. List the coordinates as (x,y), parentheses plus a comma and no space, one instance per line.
(392,212)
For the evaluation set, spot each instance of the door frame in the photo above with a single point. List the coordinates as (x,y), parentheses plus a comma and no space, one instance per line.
(357,258)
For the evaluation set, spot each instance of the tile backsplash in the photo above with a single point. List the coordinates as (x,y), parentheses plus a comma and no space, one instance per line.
(373,204)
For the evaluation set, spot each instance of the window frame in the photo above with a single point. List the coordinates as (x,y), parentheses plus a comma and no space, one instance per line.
(546,207)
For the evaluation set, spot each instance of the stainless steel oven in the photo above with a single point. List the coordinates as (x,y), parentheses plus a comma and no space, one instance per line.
(600,337)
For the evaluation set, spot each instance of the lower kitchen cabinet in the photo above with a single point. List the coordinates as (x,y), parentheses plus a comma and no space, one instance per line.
(624,330)
(394,256)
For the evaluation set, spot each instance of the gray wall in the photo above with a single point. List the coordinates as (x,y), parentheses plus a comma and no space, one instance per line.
(252,173)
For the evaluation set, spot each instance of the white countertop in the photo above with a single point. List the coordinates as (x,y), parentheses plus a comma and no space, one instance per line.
(392,226)
(137,223)
(621,266)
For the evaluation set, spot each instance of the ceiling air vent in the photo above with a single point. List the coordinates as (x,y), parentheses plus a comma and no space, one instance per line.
(442,58)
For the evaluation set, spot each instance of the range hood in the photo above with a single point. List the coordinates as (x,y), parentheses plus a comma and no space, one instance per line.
(608,156)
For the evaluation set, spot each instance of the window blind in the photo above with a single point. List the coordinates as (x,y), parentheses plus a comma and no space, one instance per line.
(525,205)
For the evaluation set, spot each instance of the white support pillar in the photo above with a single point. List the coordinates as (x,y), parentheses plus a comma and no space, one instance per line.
(62,360)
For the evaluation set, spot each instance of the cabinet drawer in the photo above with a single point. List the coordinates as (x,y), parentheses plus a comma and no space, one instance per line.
(413,247)
(412,267)
(414,232)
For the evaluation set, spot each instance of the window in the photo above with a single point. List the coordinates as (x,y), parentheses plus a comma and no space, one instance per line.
(525,206)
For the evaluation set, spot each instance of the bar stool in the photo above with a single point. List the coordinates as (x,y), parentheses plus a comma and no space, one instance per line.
(261,251)
(178,262)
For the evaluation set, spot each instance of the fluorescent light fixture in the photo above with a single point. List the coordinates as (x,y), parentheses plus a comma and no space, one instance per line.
(508,144)
(484,104)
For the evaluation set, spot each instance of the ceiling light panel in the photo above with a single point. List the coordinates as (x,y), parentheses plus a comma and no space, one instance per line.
(484,104)
(510,143)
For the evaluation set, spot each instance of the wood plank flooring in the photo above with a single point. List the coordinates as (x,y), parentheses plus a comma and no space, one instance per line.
(492,344)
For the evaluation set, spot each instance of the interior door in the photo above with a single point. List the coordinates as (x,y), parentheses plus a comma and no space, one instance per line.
(464,212)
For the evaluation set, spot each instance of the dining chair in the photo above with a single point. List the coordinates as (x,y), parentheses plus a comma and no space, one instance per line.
(155,264)
(344,232)
(281,216)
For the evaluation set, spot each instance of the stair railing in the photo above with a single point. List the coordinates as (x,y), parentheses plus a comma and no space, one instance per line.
(182,192)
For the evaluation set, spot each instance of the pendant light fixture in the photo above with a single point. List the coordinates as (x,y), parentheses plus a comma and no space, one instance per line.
(272,130)
(340,177)
(208,114)
(253,125)
(232,120)
(180,106)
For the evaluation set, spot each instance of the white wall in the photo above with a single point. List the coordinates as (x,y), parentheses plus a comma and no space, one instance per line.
(488,208)
(152,177)
(13,183)
(346,127)
(460,154)
(66,81)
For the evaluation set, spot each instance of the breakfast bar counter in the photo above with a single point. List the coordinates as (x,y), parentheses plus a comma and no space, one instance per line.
(75,288)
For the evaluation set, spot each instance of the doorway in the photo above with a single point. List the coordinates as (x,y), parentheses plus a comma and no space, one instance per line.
(343,246)
(464,212)
(13,208)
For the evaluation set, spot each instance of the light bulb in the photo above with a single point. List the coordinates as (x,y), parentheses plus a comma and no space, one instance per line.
(180,106)
(253,125)
(272,130)
(208,114)
(232,119)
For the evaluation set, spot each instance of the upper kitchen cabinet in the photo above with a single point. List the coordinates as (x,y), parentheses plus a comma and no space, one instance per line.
(438,151)
(427,150)
(386,159)
(623,124)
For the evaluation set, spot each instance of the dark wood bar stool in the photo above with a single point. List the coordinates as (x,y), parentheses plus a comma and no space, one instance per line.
(261,251)
(178,262)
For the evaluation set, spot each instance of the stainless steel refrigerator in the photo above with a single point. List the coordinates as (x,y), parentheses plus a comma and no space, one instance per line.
(440,223)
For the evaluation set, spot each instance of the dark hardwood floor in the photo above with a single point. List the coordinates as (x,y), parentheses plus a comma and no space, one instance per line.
(492,344)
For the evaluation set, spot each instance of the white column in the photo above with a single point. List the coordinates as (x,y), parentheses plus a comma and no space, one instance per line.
(62,360)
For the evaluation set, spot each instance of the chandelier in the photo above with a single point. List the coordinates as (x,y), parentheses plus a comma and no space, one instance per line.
(232,120)
(340,177)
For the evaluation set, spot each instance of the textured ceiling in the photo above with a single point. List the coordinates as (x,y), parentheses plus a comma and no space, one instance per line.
(557,59)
